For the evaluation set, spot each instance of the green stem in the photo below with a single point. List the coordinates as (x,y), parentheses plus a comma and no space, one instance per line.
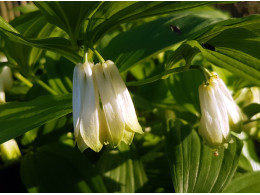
(157,77)
(45,86)
(250,121)
(205,72)
(23,79)
(100,58)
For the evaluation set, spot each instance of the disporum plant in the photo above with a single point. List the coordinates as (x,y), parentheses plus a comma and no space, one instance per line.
(129,97)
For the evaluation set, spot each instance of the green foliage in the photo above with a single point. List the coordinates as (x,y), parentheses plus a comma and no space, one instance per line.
(18,117)
(122,170)
(155,45)
(248,183)
(58,167)
(194,167)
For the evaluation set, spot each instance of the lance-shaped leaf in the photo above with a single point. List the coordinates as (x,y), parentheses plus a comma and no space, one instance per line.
(247,183)
(55,44)
(122,170)
(194,167)
(18,117)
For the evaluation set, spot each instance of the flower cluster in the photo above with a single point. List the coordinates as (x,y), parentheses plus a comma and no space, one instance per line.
(103,111)
(220,113)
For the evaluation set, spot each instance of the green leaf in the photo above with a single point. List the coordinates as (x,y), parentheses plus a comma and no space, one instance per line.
(121,170)
(59,72)
(247,183)
(249,23)
(156,36)
(251,109)
(69,16)
(193,166)
(184,88)
(30,25)
(233,59)
(117,13)
(55,44)
(59,168)
(16,118)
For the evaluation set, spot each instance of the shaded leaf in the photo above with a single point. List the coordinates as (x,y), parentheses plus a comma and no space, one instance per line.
(122,170)
(31,25)
(193,166)
(59,73)
(59,168)
(251,109)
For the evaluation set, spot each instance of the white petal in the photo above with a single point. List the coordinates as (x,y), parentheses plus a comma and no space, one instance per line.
(214,122)
(128,137)
(233,111)
(81,143)
(7,78)
(104,133)
(123,96)
(10,150)
(89,122)
(2,93)
(78,81)
(113,116)
(223,112)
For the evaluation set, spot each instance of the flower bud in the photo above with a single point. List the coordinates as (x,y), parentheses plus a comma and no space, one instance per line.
(245,97)
(10,151)
(219,112)
(6,82)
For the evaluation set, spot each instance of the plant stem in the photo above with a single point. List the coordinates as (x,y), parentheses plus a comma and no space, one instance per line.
(23,79)
(206,74)
(100,58)
(45,86)
(157,77)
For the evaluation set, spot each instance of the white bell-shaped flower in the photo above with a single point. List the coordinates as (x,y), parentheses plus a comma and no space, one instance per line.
(6,82)
(85,108)
(219,112)
(234,113)
(103,111)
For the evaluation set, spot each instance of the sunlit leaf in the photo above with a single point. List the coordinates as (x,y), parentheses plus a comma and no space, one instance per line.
(18,117)
(69,16)
(247,183)
(194,167)
(56,44)
(153,37)
(118,13)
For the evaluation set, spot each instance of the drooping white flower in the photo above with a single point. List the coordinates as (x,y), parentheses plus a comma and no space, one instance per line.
(103,111)
(85,108)
(219,113)
(6,82)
